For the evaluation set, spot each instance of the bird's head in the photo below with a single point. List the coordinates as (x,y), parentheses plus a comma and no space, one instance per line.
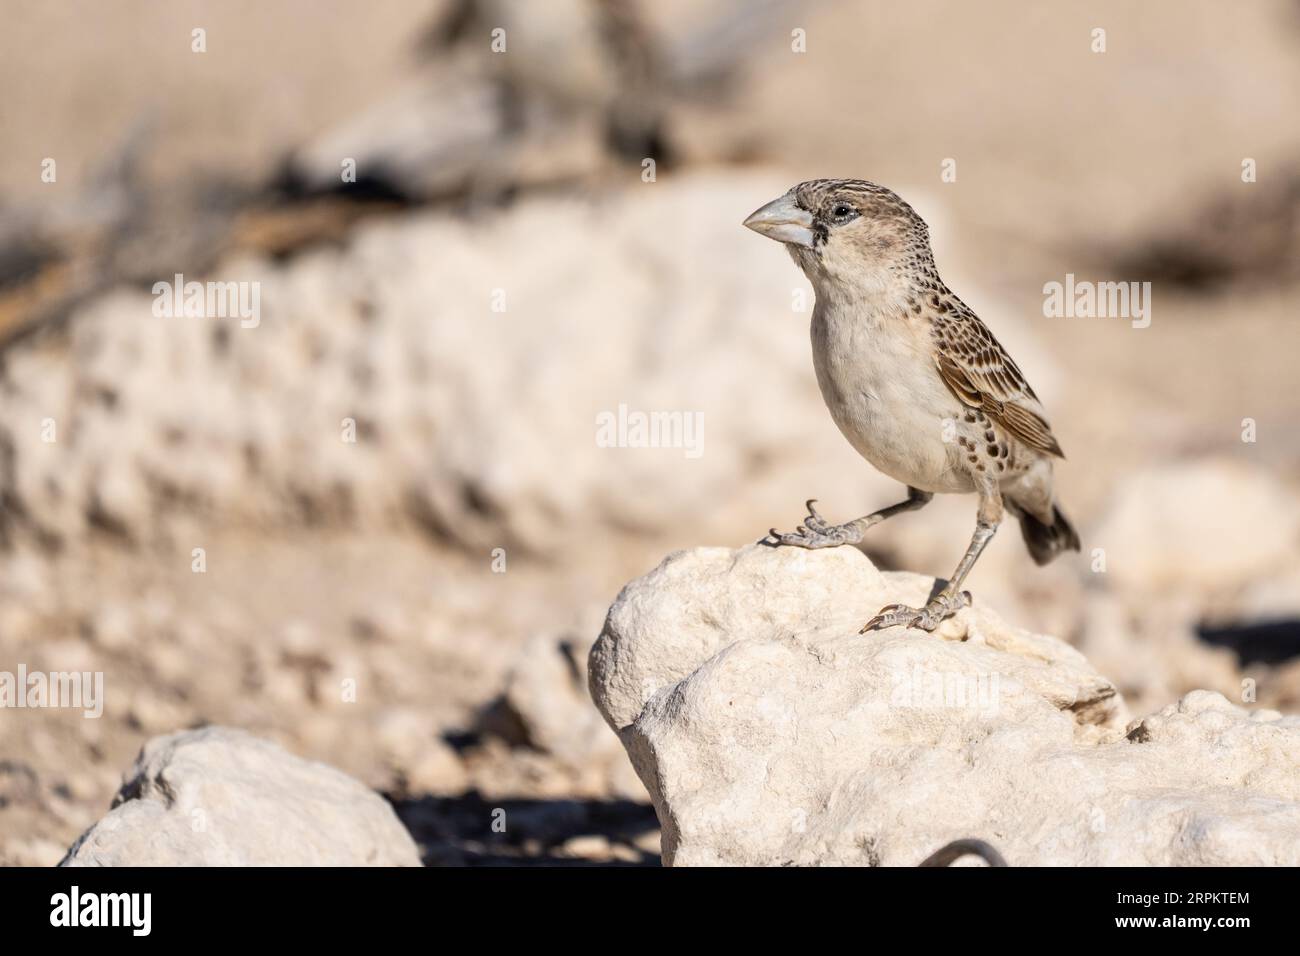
(846,231)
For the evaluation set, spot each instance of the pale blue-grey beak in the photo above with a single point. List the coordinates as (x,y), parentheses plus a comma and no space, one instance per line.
(784,221)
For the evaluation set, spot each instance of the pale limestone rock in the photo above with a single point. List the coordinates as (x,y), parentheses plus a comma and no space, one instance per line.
(222,797)
(768,731)
(1198,528)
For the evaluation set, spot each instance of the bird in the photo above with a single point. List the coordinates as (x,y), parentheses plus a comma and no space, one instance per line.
(916,383)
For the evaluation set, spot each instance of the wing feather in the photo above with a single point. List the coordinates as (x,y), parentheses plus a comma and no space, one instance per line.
(980,373)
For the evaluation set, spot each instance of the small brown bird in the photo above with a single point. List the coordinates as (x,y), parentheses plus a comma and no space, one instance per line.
(914,380)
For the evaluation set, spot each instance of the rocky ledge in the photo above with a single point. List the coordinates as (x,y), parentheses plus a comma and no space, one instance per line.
(769,731)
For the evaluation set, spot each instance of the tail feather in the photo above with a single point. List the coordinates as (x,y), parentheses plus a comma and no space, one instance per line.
(1046,541)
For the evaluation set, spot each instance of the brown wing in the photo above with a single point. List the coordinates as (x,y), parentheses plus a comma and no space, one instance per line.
(978,370)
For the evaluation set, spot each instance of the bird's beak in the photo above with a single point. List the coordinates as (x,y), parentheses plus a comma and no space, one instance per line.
(784,221)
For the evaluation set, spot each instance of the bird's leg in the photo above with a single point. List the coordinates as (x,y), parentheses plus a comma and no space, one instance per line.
(951,599)
(816,533)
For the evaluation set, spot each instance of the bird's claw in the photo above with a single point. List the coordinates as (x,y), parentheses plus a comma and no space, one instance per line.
(814,521)
(924,618)
(815,532)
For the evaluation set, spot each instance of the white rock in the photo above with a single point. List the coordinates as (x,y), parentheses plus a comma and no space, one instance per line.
(1198,527)
(222,797)
(768,731)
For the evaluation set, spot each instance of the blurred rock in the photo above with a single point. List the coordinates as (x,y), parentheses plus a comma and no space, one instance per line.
(515,96)
(1190,548)
(421,760)
(545,704)
(1199,527)
(221,797)
(31,851)
(546,707)
(437,770)
(1153,651)
(769,731)
(18,783)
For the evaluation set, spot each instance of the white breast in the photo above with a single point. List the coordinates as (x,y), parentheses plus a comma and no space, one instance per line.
(878,378)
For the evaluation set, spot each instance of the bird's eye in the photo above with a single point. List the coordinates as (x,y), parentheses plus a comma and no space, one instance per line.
(842,212)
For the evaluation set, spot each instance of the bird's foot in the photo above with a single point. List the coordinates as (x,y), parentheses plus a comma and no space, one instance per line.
(925,618)
(815,533)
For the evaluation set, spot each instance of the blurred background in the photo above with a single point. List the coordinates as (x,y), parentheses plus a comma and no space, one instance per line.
(394,479)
